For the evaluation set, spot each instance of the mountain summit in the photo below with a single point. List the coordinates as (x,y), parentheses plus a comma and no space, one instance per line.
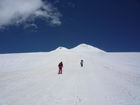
(86,47)
(82,47)
(61,48)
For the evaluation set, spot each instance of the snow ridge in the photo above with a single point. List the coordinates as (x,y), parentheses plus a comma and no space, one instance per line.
(82,47)
(86,47)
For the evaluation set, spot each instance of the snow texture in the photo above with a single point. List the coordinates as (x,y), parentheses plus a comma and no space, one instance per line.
(105,79)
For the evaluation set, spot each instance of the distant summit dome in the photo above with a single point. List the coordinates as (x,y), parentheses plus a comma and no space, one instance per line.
(61,48)
(86,47)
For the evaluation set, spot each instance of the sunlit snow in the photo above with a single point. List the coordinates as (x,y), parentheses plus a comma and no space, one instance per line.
(105,79)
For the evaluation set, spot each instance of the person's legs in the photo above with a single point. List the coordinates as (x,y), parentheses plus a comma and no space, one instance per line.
(81,64)
(60,70)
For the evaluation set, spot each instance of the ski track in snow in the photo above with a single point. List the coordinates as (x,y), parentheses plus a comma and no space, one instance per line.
(105,79)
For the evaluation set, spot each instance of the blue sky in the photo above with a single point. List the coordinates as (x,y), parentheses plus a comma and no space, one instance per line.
(111,25)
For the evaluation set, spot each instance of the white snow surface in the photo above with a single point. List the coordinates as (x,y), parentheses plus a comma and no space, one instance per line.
(105,79)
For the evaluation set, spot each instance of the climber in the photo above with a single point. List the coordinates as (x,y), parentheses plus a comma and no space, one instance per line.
(60,66)
(81,63)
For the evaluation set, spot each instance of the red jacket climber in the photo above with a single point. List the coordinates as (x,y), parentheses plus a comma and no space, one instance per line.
(60,66)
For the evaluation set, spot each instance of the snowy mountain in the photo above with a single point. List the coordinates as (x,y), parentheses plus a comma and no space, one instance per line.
(105,79)
(85,47)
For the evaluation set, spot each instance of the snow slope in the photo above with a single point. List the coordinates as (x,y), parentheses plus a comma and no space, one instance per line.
(105,79)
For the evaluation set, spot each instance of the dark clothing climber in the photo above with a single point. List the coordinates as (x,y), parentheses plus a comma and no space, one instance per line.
(60,66)
(81,63)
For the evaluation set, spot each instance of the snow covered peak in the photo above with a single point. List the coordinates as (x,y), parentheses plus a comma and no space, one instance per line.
(61,48)
(86,47)
(81,48)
